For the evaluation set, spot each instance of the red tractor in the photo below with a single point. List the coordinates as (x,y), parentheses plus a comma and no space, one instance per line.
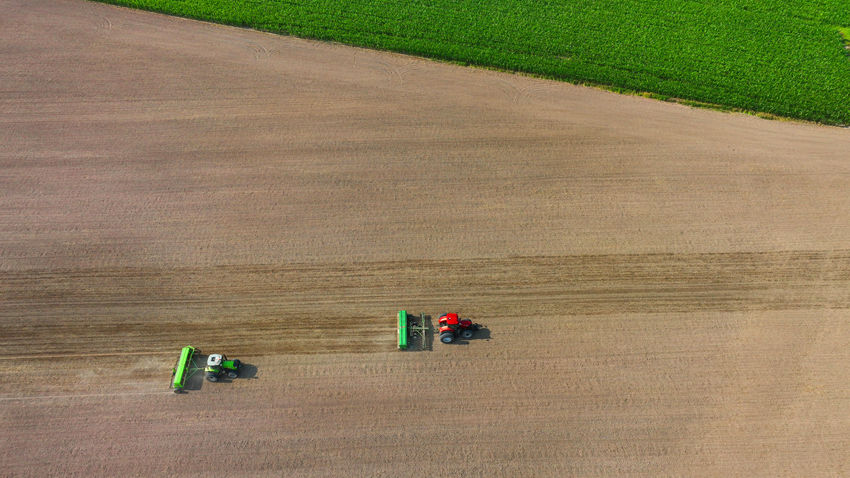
(452,327)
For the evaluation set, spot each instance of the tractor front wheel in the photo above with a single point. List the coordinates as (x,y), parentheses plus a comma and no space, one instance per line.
(467,333)
(447,337)
(232,374)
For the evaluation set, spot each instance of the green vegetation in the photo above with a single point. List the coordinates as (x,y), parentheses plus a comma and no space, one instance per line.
(781,57)
(845,35)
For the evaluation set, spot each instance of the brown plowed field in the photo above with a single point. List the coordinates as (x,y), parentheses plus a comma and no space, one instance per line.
(665,290)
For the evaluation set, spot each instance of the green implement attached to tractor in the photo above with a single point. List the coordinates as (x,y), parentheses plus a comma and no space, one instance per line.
(184,369)
(411,327)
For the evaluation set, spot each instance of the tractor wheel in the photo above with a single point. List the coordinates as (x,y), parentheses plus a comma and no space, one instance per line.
(212,378)
(447,337)
(232,374)
(467,333)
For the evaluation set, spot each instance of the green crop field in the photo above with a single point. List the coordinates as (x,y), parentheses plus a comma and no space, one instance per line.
(782,57)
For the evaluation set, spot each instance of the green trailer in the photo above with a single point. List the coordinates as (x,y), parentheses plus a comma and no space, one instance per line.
(410,327)
(185,368)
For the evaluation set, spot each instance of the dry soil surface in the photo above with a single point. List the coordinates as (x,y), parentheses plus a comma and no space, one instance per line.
(665,290)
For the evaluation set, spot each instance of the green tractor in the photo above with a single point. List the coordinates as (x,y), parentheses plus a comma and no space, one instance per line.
(218,365)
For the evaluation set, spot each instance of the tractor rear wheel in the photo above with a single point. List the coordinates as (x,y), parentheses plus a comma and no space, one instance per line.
(447,337)
(212,377)
(467,333)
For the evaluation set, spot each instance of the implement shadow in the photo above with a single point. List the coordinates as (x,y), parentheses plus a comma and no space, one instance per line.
(196,379)
(422,333)
(428,336)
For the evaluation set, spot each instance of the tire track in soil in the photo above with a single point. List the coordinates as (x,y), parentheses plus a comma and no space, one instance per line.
(348,307)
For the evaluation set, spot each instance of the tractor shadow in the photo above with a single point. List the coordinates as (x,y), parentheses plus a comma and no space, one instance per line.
(247,371)
(481,334)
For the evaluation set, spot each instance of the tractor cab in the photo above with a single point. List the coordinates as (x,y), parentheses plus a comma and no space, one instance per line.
(217,364)
(214,360)
(450,320)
